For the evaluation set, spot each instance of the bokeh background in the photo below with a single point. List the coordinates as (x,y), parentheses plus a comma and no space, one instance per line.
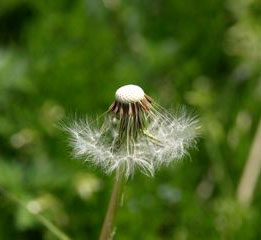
(64,58)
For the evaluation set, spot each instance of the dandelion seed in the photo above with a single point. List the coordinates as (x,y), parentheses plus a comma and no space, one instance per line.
(137,133)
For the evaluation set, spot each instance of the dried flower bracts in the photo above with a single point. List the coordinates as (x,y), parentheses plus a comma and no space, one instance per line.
(131,106)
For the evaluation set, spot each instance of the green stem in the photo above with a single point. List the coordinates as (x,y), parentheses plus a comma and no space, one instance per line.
(46,222)
(52,228)
(155,140)
(108,224)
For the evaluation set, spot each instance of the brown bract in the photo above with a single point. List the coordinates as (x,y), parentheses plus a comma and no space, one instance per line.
(131,109)
(131,116)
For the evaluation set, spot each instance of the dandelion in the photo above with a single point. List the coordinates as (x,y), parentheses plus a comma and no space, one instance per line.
(137,133)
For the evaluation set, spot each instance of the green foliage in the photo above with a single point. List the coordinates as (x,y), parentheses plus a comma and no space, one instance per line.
(61,58)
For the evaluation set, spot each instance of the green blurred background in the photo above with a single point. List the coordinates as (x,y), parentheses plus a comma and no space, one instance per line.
(64,58)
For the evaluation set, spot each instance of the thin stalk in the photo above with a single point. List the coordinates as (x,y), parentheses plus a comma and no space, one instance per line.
(108,224)
(251,171)
(42,219)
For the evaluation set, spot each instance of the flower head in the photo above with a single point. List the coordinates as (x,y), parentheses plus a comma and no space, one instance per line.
(137,133)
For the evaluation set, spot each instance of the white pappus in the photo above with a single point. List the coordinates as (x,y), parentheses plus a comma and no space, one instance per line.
(137,133)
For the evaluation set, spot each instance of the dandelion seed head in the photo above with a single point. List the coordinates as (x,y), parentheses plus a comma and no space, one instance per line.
(137,134)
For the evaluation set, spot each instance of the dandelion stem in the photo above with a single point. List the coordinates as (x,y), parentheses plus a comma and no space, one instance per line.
(107,228)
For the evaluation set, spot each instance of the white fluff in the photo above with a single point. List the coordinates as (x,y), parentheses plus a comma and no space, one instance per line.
(167,139)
